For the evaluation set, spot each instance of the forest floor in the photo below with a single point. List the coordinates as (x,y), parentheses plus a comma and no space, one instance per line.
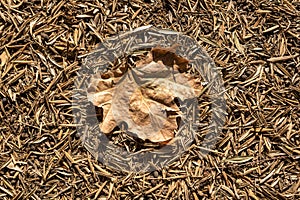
(256,46)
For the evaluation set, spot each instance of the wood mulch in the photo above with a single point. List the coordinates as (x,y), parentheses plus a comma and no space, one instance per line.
(255,44)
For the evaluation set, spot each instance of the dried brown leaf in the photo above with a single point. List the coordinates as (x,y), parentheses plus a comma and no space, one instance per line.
(144,97)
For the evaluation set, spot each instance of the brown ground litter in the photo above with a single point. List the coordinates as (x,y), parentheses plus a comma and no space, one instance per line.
(254,43)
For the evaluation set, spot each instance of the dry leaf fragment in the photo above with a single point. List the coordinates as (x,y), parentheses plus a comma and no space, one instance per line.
(237,43)
(145,110)
(3,58)
(100,93)
(167,56)
(13,166)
